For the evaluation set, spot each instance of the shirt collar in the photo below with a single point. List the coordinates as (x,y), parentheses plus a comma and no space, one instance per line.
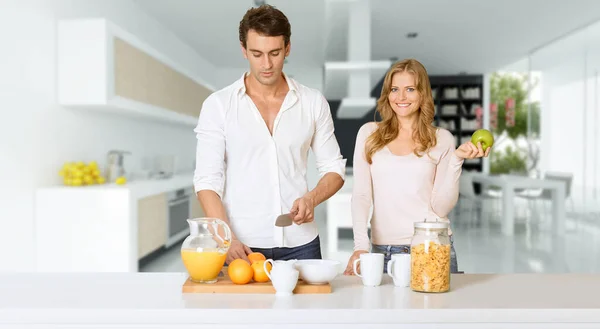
(241,86)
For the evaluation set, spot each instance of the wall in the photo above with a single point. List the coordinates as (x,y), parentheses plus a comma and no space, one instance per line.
(570,112)
(37,135)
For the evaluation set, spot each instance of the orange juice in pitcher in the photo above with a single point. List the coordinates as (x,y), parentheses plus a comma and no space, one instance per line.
(204,251)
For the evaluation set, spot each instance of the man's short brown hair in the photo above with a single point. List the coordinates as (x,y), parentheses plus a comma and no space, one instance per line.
(265,20)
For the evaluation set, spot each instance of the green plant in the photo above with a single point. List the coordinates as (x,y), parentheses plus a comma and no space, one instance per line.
(509,161)
(515,86)
(505,86)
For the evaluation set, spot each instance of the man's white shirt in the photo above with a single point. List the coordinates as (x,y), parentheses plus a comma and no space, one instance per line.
(258,175)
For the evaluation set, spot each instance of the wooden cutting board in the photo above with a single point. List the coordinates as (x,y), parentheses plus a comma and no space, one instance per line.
(225,286)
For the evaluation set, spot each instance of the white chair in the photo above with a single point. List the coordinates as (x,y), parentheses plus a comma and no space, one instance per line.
(467,192)
(533,197)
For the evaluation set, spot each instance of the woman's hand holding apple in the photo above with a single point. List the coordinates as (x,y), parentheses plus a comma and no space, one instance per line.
(479,146)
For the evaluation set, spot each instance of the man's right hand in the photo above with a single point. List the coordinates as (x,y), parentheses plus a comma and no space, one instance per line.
(238,250)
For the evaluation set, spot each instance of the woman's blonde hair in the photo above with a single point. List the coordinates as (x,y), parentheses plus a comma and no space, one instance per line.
(424,133)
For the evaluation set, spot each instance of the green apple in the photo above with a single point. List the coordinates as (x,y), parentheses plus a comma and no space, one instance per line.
(485,137)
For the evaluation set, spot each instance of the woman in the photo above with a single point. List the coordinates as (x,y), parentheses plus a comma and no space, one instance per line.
(404,166)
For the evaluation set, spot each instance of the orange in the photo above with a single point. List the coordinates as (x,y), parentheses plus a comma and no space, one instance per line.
(255,257)
(240,272)
(259,272)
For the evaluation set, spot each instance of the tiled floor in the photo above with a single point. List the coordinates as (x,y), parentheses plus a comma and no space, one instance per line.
(481,248)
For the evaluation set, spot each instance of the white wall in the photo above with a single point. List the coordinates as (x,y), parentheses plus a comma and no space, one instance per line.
(569,112)
(37,135)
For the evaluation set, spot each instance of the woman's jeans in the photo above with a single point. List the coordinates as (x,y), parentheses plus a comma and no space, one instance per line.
(389,250)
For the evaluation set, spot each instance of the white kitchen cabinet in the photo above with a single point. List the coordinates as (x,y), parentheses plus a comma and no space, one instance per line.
(152,223)
(96,228)
(102,67)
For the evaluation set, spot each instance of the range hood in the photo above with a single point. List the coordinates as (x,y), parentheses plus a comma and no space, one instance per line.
(359,68)
(358,101)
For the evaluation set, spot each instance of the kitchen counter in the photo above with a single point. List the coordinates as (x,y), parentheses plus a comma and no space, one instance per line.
(137,188)
(97,228)
(155,299)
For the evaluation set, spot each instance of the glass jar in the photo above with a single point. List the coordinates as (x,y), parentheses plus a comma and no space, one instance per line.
(204,251)
(430,257)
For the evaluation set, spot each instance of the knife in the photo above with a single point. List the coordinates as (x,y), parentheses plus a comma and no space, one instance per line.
(283,220)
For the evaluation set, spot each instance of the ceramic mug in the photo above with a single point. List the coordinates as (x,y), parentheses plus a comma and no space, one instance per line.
(371,268)
(398,268)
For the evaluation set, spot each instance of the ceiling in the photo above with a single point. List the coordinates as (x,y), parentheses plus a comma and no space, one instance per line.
(211,27)
(472,36)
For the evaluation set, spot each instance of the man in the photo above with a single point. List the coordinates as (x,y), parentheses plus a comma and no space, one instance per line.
(253,142)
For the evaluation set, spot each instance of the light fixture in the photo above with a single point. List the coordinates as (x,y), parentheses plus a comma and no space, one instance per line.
(412,35)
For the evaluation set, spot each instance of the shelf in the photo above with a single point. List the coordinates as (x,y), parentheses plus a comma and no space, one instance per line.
(467,132)
(459,85)
(472,166)
(449,117)
(449,101)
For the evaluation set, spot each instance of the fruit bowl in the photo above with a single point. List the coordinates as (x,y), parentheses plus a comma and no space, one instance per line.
(317,271)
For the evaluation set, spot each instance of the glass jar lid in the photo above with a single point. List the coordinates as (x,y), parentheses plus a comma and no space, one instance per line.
(432,224)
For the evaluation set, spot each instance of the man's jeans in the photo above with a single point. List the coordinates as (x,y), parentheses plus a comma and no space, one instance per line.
(389,250)
(311,250)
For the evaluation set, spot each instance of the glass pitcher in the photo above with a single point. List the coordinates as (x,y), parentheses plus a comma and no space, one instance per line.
(204,251)
(430,257)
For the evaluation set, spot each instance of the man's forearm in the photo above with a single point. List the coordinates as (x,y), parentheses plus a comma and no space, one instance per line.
(328,185)
(213,207)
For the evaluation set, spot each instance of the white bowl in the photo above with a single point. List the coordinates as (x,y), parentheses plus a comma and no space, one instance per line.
(317,271)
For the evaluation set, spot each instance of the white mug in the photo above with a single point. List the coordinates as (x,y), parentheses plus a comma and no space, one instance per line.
(371,268)
(398,268)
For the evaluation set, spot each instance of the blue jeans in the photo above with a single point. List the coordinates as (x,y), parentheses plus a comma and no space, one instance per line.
(311,250)
(389,250)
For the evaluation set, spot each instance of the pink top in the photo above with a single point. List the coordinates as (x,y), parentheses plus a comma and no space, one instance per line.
(402,189)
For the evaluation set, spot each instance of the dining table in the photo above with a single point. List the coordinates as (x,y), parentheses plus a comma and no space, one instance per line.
(509,184)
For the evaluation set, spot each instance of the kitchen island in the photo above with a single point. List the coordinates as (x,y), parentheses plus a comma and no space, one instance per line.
(155,300)
(110,227)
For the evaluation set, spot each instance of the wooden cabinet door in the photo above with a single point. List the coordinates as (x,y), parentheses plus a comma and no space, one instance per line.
(152,223)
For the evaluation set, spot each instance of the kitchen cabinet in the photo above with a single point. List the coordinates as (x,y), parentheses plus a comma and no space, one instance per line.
(102,67)
(152,223)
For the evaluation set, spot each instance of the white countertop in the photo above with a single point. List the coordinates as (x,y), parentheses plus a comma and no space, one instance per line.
(517,300)
(139,188)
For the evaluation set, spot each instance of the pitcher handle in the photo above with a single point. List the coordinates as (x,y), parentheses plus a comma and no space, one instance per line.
(265,268)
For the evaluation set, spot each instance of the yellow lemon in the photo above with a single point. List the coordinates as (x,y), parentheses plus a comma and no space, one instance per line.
(96,173)
(121,180)
(93,164)
(87,170)
(62,173)
(100,180)
(77,182)
(88,179)
(78,173)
